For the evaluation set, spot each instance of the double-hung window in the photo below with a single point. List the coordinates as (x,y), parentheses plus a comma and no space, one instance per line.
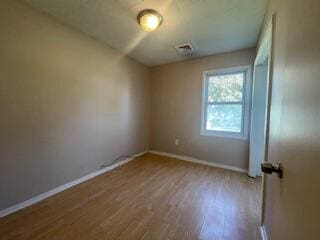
(225,103)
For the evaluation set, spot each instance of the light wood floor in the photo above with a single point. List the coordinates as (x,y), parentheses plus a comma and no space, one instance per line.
(152,197)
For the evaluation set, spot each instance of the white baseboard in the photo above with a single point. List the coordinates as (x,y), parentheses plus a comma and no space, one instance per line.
(263,233)
(61,188)
(195,160)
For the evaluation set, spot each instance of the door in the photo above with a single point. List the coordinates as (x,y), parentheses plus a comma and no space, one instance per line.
(291,205)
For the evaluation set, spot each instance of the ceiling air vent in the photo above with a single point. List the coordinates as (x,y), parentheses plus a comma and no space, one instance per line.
(184,49)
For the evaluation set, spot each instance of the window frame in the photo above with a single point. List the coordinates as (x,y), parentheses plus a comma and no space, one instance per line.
(245,103)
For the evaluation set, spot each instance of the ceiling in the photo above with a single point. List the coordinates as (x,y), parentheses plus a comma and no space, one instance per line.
(211,26)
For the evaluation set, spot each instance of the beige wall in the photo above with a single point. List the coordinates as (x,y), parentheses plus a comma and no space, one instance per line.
(292,203)
(68,104)
(175,110)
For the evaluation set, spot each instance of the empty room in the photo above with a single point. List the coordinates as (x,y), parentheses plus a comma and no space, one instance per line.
(159,119)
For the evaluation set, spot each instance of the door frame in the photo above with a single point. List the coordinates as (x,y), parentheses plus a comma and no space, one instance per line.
(265,51)
(257,127)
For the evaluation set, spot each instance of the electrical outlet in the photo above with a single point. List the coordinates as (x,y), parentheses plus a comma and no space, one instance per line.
(176,141)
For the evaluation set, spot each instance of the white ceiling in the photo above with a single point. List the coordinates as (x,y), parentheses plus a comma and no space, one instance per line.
(211,26)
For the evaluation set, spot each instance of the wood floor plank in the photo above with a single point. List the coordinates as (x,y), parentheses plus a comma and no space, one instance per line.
(152,197)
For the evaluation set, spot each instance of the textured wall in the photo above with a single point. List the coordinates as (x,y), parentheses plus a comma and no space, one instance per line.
(68,104)
(175,110)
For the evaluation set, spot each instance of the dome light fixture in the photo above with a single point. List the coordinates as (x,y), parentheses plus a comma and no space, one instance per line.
(149,20)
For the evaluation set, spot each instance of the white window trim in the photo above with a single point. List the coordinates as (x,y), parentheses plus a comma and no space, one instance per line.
(246,103)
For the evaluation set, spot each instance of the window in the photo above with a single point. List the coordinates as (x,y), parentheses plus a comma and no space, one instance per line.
(225,103)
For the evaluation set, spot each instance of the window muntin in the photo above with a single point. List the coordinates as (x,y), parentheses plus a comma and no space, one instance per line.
(224,103)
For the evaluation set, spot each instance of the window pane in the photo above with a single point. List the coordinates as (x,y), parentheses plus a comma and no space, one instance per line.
(224,117)
(225,88)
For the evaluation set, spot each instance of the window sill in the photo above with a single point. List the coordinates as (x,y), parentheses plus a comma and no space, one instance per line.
(223,135)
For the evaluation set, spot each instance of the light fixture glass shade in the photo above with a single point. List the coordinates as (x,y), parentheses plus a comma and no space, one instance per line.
(149,20)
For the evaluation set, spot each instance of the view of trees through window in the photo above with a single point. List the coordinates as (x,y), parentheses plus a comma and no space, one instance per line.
(224,108)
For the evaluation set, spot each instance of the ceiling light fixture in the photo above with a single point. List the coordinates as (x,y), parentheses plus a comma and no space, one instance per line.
(149,20)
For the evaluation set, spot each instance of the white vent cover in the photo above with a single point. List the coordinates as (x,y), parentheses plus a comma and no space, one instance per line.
(184,49)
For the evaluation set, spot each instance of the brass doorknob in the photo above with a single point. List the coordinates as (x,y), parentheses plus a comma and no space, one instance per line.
(268,168)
